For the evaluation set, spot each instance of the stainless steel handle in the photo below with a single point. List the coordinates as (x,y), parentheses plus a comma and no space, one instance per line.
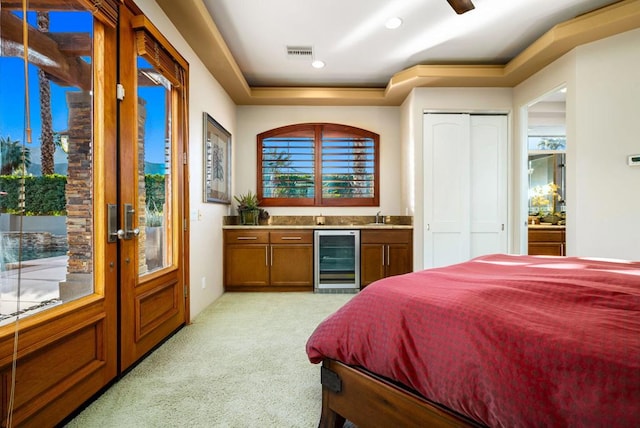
(383,264)
(388,261)
(112,223)
(121,234)
(291,238)
(128,231)
(247,238)
(266,256)
(112,220)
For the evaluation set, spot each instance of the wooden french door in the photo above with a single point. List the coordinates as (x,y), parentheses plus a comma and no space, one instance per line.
(152,194)
(56,357)
(118,288)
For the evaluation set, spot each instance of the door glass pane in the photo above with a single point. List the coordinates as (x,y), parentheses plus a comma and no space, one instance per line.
(46,208)
(154,169)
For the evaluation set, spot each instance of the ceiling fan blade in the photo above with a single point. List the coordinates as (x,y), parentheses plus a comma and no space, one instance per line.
(461,6)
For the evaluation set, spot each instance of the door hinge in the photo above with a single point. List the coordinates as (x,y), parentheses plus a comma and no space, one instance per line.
(184,158)
(184,224)
(186,291)
(120,91)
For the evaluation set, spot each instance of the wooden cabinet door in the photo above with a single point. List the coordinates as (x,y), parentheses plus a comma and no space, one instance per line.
(246,265)
(546,241)
(291,259)
(292,265)
(384,253)
(398,259)
(371,263)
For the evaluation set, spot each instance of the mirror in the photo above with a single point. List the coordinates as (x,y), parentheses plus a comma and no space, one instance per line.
(546,183)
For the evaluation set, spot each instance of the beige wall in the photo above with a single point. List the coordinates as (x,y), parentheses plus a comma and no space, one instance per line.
(603,89)
(384,121)
(559,73)
(607,130)
(205,95)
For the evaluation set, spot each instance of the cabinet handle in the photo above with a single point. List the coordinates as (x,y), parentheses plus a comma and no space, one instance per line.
(382,248)
(388,261)
(247,238)
(291,238)
(266,257)
(271,256)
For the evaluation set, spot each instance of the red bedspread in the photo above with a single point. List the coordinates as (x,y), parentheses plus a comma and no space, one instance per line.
(511,341)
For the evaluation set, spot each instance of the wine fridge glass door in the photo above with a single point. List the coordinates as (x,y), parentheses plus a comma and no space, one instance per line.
(337,259)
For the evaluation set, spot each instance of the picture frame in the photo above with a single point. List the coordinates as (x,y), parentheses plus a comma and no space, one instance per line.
(216,154)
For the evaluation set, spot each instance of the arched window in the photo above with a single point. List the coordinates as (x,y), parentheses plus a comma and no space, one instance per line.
(318,164)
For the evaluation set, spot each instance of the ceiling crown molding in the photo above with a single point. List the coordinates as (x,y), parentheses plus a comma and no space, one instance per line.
(195,24)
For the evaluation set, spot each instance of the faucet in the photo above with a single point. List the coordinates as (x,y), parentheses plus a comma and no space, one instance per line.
(379,218)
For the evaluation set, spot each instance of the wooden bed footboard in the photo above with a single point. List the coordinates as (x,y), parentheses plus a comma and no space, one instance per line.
(349,393)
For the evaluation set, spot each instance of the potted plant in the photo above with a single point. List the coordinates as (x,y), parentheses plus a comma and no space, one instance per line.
(248,207)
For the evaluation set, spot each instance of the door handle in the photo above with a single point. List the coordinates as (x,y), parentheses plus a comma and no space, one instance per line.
(128,231)
(112,223)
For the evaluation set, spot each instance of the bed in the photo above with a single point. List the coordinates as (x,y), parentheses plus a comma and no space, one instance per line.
(499,341)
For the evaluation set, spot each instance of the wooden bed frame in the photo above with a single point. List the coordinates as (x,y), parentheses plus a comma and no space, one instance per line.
(366,400)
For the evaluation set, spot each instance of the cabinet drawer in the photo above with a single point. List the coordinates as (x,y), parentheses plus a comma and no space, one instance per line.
(546,249)
(546,235)
(292,237)
(385,236)
(247,237)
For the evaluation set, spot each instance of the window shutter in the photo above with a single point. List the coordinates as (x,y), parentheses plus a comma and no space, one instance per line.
(288,165)
(318,164)
(152,46)
(348,166)
(104,10)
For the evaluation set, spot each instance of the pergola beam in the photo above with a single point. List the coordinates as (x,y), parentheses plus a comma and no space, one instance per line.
(53,57)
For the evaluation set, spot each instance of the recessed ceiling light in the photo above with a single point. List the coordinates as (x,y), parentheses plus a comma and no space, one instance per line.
(317,64)
(393,23)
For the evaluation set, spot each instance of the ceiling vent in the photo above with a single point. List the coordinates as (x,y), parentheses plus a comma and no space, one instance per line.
(299,52)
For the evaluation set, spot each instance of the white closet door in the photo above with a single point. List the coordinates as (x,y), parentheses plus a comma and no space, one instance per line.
(446,175)
(465,166)
(488,184)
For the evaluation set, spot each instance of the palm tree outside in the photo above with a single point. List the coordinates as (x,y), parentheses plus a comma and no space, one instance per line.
(13,156)
(47,145)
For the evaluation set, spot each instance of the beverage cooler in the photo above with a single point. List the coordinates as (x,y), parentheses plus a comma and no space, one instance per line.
(336,260)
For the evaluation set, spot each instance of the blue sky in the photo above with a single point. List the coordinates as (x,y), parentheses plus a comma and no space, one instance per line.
(12,105)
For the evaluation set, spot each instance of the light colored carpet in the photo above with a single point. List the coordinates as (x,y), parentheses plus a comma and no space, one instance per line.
(241,363)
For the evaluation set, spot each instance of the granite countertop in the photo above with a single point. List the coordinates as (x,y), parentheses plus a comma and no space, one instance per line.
(547,226)
(315,226)
(330,222)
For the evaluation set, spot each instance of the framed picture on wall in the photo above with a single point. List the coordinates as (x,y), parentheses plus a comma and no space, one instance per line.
(217,162)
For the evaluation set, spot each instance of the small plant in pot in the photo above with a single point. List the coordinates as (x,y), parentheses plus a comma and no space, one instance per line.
(248,207)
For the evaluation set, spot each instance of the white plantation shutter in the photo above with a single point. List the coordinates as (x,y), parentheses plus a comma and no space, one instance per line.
(347,167)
